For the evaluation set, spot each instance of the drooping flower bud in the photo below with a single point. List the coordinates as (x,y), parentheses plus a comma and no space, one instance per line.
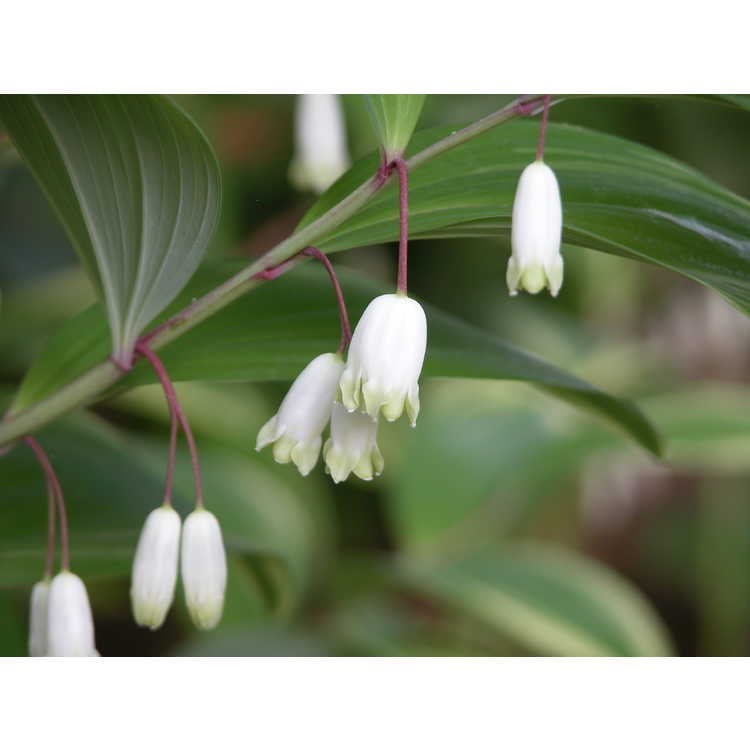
(70,624)
(296,428)
(155,567)
(321,155)
(536,233)
(204,568)
(352,446)
(385,359)
(38,618)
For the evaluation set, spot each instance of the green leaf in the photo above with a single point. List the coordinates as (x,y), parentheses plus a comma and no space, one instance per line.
(471,472)
(550,601)
(274,332)
(394,117)
(618,197)
(135,185)
(461,477)
(706,425)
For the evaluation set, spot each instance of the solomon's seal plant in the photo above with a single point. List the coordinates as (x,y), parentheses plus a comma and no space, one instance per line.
(143,231)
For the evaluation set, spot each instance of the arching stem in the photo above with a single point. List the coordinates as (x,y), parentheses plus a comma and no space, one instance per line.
(175,408)
(346,331)
(169,481)
(54,487)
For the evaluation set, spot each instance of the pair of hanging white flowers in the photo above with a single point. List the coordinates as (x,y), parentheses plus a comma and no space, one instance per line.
(203,567)
(380,377)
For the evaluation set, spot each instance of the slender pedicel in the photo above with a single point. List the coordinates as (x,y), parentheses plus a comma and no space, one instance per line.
(403,222)
(174,405)
(346,331)
(54,484)
(49,558)
(169,481)
(543,129)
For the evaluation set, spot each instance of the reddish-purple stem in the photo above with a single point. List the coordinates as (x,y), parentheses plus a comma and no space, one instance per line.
(54,484)
(169,481)
(346,331)
(49,558)
(174,405)
(403,221)
(543,129)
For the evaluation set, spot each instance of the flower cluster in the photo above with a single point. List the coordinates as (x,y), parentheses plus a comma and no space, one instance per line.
(380,377)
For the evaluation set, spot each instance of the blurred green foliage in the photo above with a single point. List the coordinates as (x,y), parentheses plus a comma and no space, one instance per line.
(505,523)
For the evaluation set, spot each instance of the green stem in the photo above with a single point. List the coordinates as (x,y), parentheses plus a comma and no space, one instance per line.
(86,388)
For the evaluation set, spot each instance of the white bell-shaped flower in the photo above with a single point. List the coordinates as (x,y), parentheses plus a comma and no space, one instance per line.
(38,618)
(385,359)
(204,568)
(321,155)
(536,233)
(70,624)
(297,427)
(155,567)
(352,446)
